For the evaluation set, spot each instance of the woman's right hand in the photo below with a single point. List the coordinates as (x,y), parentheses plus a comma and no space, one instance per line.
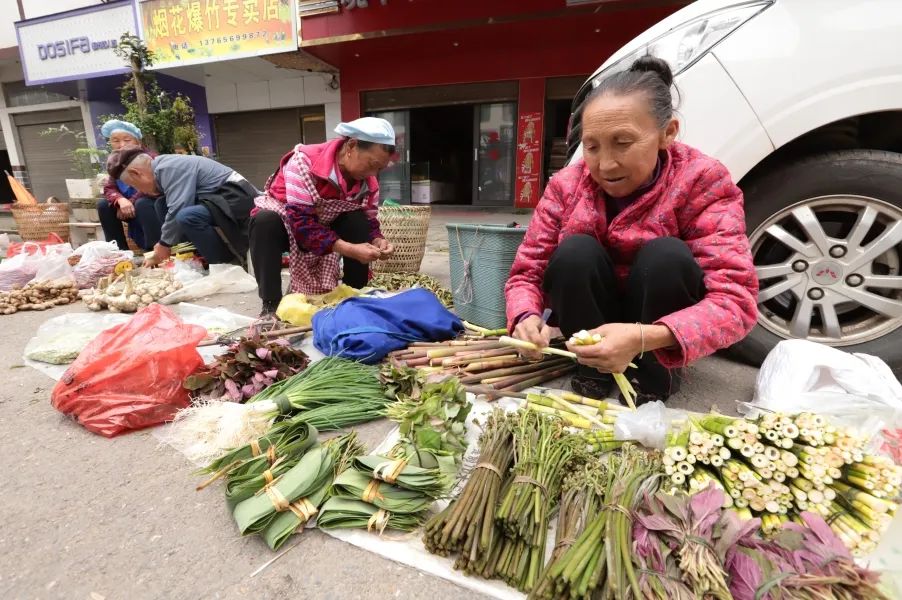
(531,329)
(125,210)
(362,253)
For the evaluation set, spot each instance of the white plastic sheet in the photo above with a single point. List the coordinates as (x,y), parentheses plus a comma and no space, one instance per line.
(858,390)
(59,340)
(223,279)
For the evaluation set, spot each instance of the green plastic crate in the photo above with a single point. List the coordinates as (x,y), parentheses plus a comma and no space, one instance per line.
(480,258)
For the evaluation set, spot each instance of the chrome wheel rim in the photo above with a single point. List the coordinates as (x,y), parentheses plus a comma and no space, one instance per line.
(830,270)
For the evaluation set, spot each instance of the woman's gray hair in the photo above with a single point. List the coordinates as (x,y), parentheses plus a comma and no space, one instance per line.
(649,75)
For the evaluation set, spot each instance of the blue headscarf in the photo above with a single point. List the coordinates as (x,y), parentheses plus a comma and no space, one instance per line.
(114,125)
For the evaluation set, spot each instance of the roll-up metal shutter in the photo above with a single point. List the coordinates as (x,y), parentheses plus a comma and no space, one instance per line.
(253,142)
(46,156)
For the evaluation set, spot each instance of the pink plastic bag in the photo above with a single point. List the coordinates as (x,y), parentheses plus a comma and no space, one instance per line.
(130,376)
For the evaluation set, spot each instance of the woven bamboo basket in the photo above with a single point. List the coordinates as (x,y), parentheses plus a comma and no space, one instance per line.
(406,227)
(37,221)
(132,245)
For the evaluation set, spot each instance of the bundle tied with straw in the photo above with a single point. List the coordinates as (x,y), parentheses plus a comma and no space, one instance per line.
(344,513)
(467,526)
(354,485)
(286,523)
(209,429)
(291,491)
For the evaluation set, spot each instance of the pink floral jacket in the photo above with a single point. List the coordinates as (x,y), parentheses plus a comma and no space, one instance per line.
(695,200)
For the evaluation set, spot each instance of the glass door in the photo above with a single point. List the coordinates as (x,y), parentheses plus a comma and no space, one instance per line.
(494,153)
(394,181)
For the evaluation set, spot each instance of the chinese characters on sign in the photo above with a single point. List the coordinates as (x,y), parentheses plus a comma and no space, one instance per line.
(181,32)
(529,160)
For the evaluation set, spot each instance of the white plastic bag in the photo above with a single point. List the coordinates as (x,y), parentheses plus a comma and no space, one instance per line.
(648,424)
(217,321)
(15,272)
(186,271)
(858,390)
(98,259)
(4,243)
(60,339)
(223,279)
(54,265)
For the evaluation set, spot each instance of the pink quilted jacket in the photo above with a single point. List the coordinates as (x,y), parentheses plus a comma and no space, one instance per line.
(694,200)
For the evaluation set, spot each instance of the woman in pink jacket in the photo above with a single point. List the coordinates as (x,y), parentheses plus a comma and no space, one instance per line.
(642,241)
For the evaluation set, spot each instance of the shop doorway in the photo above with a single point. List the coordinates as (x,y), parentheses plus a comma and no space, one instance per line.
(441,155)
(458,154)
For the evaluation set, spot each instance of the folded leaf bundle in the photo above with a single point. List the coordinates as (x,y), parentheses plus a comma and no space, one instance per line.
(288,438)
(313,471)
(354,485)
(342,513)
(286,523)
(433,482)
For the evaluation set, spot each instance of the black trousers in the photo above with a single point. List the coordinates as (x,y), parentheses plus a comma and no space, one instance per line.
(146,215)
(269,239)
(584,293)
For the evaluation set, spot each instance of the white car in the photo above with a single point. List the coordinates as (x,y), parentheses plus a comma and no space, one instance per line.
(802,101)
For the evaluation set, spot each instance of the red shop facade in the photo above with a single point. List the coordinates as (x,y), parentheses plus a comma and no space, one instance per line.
(479,93)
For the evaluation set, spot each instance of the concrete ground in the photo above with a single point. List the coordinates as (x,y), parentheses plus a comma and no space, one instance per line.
(84,517)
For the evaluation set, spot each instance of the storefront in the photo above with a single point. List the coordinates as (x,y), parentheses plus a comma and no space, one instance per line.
(478,92)
(262,94)
(46,90)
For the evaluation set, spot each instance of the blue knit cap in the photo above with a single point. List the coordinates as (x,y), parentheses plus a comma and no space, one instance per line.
(114,125)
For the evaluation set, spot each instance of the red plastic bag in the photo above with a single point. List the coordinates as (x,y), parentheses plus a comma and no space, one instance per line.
(130,376)
(32,248)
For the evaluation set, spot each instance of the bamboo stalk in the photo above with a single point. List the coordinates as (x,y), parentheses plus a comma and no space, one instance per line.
(492,393)
(540,377)
(511,360)
(530,346)
(468,357)
(505,372)
(418,362)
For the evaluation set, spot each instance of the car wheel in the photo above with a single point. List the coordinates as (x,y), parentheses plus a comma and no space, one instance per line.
(826,236)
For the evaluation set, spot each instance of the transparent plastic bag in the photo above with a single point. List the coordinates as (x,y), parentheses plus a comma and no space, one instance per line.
(648,424)
(130,376)
(60,340)
(98,259)
(223,279)
(23,268)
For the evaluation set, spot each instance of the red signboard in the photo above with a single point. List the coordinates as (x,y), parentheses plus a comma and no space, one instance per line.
(529,160)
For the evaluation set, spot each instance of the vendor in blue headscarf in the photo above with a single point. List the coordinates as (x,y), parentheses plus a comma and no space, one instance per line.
(122,202)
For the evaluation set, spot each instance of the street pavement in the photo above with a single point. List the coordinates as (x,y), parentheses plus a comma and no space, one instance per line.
(89,518)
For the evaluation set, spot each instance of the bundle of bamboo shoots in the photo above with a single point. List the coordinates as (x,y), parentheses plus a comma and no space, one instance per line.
(482,361)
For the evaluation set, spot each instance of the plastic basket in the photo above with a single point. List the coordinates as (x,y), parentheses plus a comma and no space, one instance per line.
(37,221)
(480,258)
(406,227)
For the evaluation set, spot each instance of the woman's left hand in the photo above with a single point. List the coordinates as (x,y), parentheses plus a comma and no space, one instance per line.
(620,344)
(386,247)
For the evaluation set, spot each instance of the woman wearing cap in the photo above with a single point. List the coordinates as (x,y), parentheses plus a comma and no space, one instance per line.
(641,241)
(121,202)
(321,204)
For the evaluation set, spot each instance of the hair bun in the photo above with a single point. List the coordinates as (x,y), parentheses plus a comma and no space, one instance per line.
(653,64)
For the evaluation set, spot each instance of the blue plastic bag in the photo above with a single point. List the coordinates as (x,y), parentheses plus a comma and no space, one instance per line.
(366,329)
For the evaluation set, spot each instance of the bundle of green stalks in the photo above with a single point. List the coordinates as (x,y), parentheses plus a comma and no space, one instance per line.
(484,361)
(599,563)
(543,448)
(344,513)
(779,465)
(467,527)
(330,394)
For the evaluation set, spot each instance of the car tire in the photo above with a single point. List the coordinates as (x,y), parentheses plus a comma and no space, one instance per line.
(860,175)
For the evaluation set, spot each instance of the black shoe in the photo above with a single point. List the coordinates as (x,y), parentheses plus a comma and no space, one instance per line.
(269,308)
(651,393)
(597,388)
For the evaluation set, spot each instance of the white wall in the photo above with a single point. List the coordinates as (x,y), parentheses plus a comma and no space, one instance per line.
(9,14)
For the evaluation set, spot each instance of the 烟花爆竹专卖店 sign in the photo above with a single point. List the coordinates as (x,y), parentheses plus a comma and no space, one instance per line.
(76,44)
(185,32)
